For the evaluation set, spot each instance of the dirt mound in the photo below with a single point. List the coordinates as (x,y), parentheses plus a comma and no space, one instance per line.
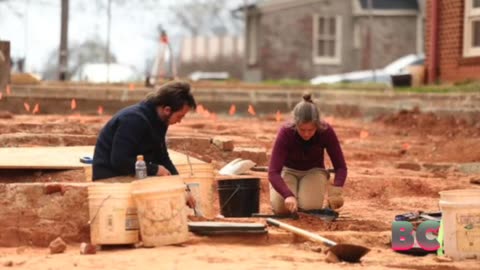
(29,139)
(6,115)
(416,121)
(19,176)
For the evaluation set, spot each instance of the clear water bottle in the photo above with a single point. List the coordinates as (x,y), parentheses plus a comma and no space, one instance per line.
(140,168)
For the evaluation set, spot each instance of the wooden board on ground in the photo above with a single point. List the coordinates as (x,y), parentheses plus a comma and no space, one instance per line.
(219,226)
(59,157)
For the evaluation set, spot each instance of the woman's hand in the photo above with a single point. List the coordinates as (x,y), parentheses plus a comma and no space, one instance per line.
(162,171)
(291,204)
(335,197)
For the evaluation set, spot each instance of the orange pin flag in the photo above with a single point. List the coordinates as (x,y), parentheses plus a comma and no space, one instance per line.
(36,109)
(131,87)
(73,104)
(251,110)
(26,106)
(278,116)
(100,110)
(406,146)
(8,90)
(232,110)
(363,134)
(213,116)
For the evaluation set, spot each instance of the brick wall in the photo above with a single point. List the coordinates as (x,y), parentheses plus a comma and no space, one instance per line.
(453,67)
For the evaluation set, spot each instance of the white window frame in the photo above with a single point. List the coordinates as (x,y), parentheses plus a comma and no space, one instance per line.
(337,59)
(470,15)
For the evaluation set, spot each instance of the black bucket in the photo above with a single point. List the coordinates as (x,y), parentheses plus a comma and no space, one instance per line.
(239,197)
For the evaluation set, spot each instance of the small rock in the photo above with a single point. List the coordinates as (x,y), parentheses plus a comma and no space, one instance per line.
(475,181)
(87,249)
(57,246)
(409,166)
(20,263)
(437,167)
(21,250)
(8,264)
(50,189)
(443,259)
(224,143)
(469,168)
(331,258)
(255,154)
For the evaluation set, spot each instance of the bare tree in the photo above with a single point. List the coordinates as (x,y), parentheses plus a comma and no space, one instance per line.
(89,51)
(205,17)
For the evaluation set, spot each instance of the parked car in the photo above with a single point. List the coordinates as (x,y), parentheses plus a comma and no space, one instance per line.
(204,75)
(397,67)
(103,72)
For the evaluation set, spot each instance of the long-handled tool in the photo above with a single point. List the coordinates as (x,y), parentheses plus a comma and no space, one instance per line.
(344,252)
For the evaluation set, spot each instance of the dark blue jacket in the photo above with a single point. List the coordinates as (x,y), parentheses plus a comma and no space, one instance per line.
(135,130)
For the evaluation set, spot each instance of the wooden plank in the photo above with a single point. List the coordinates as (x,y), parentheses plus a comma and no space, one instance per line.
(213,225)
(59,157)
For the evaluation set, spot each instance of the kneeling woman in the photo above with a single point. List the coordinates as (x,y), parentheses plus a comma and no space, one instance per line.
(297,170)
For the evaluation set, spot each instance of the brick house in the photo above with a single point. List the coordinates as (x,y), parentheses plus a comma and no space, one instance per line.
(301,39)
(452,40)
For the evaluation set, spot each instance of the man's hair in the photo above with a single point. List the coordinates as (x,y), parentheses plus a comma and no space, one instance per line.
(174,94)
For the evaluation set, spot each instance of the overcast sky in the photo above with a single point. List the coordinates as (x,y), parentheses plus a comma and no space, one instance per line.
(36,31)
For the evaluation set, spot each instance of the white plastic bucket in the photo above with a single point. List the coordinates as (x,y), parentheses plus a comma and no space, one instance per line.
(157,182)
(113,215)
(461,220)
(194,168)
(203,174)
(162,214)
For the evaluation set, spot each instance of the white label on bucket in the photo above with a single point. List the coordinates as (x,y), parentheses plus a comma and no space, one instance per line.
(468,232)
(131,220)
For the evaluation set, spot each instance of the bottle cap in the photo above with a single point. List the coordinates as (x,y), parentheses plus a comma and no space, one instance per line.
(140,157)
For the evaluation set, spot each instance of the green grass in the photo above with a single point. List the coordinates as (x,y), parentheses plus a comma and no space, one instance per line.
(464,87)
(461,87)
(340,86)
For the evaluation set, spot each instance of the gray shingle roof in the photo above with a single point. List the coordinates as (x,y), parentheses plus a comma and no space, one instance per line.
(391,4)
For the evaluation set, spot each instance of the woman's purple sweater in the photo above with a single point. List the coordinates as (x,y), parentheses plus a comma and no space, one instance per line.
(291,151)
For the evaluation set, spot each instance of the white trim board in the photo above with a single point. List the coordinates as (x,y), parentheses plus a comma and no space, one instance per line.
(275,5)
(469,16)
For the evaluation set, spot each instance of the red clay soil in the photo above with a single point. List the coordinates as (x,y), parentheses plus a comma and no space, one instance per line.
(445,131)
(375,191)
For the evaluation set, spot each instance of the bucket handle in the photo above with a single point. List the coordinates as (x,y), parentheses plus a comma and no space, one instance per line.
(188,159)
(98,210)
(231,196)
(140,214)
